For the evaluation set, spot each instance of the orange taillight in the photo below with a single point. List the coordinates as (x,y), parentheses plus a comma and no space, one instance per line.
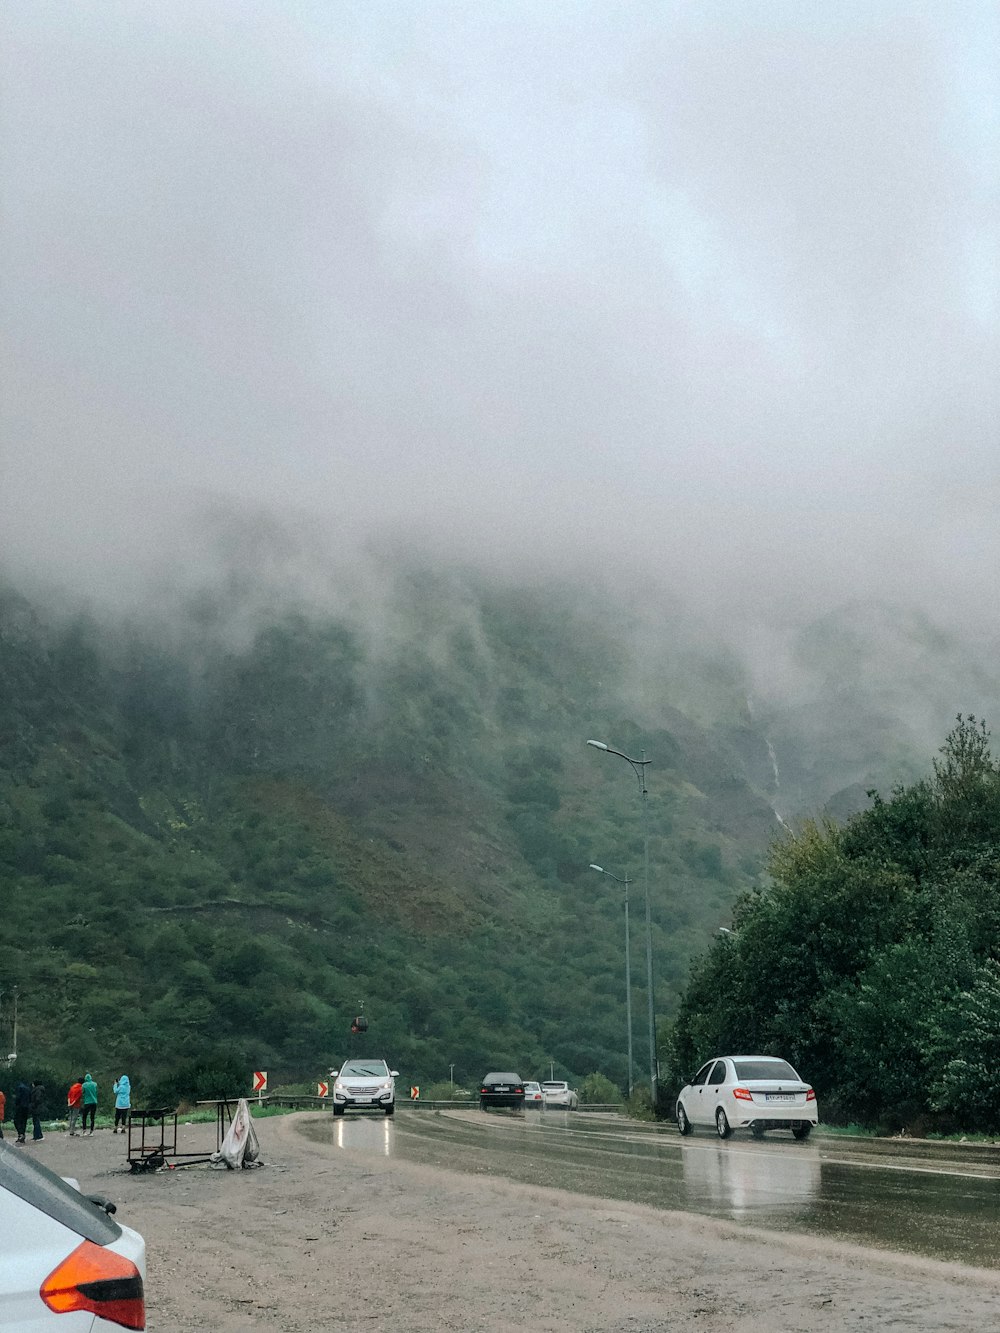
(743,1094)
(810,1095)
(98,1280)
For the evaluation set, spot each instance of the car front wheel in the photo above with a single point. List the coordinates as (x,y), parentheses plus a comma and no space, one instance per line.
(683,1123)
(391,1109)
(338,1110)
(801,1131)
(722,1124)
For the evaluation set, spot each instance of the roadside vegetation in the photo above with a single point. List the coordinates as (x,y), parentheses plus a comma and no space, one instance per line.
(870,960)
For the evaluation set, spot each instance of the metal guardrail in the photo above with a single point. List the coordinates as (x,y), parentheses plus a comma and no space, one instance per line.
(472,1104)
(310,1102)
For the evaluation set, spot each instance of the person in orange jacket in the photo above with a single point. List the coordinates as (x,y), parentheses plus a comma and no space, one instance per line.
(74,1100)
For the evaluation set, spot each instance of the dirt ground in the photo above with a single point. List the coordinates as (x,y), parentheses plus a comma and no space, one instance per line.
(371,1243)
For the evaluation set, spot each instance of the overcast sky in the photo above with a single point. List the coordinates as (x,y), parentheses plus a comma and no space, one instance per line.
(707,288)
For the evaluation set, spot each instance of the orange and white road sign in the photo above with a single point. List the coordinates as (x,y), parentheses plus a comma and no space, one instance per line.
(414,1094)
(322,1089)
(260,1080)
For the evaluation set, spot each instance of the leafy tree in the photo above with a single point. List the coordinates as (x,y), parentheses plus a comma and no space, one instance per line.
(966,1038)
(598,1089)
(868,961)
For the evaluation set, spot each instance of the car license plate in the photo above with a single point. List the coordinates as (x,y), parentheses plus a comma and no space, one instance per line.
(779,1096)
(362,1099)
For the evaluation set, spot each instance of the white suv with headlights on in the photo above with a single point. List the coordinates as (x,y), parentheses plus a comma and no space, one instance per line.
(365,1085)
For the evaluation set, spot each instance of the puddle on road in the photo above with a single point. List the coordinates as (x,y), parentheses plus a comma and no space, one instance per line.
(902,1199)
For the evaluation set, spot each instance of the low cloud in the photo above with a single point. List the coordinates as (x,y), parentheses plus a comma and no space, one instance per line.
(698,299)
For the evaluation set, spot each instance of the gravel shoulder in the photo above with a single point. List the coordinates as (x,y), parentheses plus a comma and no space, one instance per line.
(376,1243)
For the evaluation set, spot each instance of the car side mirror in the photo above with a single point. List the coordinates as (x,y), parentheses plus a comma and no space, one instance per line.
(394,1073)
(334,1073)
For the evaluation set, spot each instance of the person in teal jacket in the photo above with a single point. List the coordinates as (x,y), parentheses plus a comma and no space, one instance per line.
(123,1101)
(89,1103)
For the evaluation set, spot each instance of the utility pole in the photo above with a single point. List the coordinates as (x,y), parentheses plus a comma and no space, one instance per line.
(639,767)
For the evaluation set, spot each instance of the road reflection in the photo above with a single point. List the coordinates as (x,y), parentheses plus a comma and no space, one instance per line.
(906,1197)
(364,1133)
(755,1182)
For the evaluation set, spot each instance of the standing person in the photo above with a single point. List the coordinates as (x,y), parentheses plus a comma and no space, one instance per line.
(74,1100)
(37,1097)
(22,1109)
(123,1101)
(3,1110)
(89,1103)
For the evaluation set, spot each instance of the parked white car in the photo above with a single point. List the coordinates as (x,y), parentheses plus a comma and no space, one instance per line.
(366,1085)
(559,1095)
(533,1095)
(65,1263)
(755,1092)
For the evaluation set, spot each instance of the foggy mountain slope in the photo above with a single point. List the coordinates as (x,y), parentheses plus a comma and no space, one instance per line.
(220,841)
(861,695)
(322,823)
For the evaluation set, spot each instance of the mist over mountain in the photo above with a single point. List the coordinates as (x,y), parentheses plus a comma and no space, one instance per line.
(226,826)
(703,300)
(394,396)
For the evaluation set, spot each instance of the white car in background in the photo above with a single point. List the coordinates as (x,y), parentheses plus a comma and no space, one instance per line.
(533,1095)
(755,1092)
(559,1095)
(65,1263)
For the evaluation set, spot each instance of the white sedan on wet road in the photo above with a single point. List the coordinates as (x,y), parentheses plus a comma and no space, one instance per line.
(755,1092)
(558,1094)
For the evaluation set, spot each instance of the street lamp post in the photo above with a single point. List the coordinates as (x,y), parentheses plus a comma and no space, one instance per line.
(639,769)
(628,969)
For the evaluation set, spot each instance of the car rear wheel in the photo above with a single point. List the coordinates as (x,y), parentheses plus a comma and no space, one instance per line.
(757,1131)
(801,1131)
(482,1103)
(722,1124)
(683,1123)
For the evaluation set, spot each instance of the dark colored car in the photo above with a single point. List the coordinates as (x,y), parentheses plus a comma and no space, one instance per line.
(501,1090)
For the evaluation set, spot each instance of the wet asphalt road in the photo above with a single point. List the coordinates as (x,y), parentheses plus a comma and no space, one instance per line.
(942,1201)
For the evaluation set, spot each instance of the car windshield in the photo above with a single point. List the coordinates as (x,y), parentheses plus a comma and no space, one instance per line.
(501,1078)
(757,1069)
(365,1069)
(554,1087)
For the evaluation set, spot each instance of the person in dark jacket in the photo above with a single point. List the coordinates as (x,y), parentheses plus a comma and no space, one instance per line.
(37,1097)
(22,1109)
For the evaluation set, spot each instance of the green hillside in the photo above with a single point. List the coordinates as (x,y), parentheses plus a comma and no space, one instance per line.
(216,841)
